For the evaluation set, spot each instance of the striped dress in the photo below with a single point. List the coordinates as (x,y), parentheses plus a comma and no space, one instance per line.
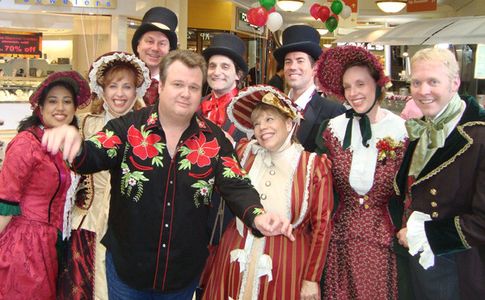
(246,267)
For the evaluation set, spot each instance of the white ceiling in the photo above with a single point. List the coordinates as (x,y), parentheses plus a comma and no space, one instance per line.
(369,15)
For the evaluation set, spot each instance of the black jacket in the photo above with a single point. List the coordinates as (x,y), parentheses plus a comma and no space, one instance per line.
(317,110)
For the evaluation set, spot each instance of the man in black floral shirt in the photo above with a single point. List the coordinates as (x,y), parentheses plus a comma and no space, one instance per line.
(164,162)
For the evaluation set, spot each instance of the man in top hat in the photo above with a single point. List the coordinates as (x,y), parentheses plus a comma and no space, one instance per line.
(152,41)
(226,67)
(298,54)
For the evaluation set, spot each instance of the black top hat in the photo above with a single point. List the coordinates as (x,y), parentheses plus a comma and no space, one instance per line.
(299,38)
(229,45)
(157,19)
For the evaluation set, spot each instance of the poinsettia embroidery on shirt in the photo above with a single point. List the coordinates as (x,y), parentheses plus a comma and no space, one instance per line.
(232,168)
(146,145)
(198,151)
(106,140)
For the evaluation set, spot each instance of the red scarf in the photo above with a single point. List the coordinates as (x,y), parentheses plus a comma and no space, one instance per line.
(215,108)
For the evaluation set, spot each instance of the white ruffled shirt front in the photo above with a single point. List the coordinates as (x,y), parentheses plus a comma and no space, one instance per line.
(364,159)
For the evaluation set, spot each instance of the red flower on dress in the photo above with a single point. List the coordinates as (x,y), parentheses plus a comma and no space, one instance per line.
(143,142)
(108,140)
(233,165)
(387,147)
(201,151)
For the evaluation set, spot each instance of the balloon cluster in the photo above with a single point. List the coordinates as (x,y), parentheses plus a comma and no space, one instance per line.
(265,15)
(330,16)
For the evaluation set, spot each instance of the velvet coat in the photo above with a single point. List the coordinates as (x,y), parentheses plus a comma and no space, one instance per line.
(451,189)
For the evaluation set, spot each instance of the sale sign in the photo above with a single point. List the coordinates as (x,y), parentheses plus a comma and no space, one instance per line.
(21,44)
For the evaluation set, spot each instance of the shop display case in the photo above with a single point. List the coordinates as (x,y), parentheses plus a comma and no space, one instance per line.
(17,89)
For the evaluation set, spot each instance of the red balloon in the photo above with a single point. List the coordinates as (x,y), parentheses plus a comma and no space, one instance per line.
(314,10)
(335,16)
(324,13)
(257,16)
(272,10)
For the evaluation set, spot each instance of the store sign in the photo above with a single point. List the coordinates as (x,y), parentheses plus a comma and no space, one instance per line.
(421,5)
(71,3)
(243,24)
(20,44)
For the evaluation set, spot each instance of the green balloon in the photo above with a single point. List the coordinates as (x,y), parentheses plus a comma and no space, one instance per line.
(331,23)
(336,7)
(268,4)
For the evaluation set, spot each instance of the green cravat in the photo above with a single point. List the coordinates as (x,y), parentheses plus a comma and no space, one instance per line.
(431,134)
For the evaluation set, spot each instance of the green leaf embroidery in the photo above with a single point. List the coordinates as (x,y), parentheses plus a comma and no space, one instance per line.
(228,173)
(159,147)
(184,164)
(184,151)
(157,161)
(258,211)
(94,139)
(111,152)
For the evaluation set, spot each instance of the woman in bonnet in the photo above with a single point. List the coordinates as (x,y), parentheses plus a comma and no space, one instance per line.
(118,81)
(290,181)
(366,146)
(36,193)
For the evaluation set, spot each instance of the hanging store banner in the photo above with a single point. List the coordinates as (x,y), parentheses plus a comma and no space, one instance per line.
(71,3)
(242,23)
(421,5)
(21,44)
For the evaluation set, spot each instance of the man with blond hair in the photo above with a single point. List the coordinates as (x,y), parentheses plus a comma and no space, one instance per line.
(440,184)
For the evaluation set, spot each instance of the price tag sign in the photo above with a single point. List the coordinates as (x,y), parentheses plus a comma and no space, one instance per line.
(21,44)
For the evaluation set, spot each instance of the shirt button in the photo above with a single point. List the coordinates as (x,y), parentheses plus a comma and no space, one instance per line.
(163,245)
(166,225)
(434,204)
(263,197)
(272,172)
(168,203)
(366,197)
(433,192)
(366,206)
(171,182)
(434,215)
(267,183)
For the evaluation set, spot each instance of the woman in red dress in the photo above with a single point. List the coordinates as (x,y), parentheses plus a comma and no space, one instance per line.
(36,193)
(290,181)
(366,146)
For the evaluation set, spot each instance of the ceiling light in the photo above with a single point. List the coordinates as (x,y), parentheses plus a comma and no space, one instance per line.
(290,5)
(391,6)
